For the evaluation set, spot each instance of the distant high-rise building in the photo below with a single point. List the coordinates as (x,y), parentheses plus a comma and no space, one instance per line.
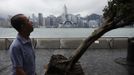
(33,18)
(51,22)
(67,23)
(35,21)
(93,23)
(65,13)
(40,17)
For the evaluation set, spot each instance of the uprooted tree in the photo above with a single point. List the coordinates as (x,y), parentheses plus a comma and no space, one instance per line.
(118,13)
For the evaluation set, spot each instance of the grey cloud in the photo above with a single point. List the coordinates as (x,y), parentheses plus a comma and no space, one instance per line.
(51,7)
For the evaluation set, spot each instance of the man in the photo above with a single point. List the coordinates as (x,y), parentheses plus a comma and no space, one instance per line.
(21,51)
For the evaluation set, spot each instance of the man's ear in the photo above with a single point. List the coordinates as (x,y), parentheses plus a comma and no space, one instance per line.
(22,25)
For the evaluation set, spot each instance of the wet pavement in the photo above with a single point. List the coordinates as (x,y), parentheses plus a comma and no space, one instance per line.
(93,62)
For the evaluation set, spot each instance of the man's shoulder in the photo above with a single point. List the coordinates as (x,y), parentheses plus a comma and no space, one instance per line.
(15,44)
(15,47)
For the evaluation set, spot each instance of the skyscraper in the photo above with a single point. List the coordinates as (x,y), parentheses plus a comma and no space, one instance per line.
(67,23)
(65,13)
(40,17)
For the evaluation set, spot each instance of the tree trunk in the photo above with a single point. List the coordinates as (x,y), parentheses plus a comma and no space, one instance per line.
(84,46)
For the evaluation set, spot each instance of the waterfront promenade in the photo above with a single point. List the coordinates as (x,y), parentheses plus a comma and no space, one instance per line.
(93,62)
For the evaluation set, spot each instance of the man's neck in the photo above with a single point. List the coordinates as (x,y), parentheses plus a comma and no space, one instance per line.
(26,36)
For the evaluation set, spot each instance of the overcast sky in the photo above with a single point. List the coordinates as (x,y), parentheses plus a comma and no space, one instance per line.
(51,7)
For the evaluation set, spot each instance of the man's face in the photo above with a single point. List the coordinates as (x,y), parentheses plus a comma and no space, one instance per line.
(27,27)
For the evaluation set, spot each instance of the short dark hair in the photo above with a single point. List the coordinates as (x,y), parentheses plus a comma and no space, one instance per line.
(17,22)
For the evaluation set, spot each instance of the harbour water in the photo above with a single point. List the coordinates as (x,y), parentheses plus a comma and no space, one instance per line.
(67,32)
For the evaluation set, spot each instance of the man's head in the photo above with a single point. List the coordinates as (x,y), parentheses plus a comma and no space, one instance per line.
(21,23)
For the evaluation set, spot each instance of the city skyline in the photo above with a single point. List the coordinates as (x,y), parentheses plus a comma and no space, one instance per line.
(51,7)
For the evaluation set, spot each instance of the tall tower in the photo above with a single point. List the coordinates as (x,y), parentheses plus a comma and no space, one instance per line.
(65,13)
(67,23)
(34,20)
(40,17)
(33,17)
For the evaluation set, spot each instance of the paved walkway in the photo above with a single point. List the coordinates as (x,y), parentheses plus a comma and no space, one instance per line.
(94,62)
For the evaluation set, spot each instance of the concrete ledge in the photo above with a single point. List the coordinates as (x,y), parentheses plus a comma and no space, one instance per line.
(2,44)
(120,43)
(34,42)
(70,43)
(48,43)
(8,43)
(102,43)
